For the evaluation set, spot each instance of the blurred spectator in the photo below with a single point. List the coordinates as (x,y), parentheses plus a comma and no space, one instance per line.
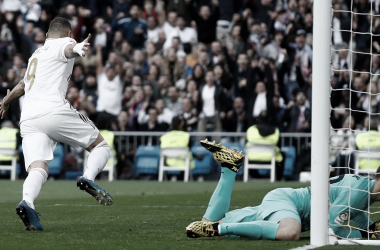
(341,59)
(78,76)
(189,113)
(153,125)
(211,105)
(73,97)
(342,145)
(152,29)
(183,8)
(206,23)
(193,58)
(100,36)
(187,36)
(235,120)
(263,92)
(191,88)
(369,140)
(149,95)
(172,68)
(149,10)
(133,28)
(120,9)
(110,89)
(265,133)
(228,11)
(198,75)
(298,115)
(135,107)
(305,84)
(173,102)
(222,78)
(170,24)
(240,75)
(302,50)
(265,11)
(279,113)
(164,114)
(140,66)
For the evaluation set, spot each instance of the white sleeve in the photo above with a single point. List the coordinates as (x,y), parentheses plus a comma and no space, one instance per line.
(141,118)
(61,51)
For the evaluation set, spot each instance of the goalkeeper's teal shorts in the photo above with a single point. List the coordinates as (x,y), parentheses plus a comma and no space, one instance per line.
(278,204)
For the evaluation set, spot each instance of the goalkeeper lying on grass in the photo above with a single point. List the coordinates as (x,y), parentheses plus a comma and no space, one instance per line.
(284,212)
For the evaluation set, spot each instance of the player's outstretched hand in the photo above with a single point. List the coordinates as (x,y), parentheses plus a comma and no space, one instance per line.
(86,45)
(81,48)
(4,107)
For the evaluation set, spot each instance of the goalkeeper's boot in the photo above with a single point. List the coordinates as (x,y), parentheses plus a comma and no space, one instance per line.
(202,229)
(29,216)
(229,158)
(101,195)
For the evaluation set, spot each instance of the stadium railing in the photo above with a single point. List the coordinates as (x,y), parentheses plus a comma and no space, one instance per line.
(132,139)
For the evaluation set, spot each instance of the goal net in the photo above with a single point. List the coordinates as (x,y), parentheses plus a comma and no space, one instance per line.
(349,43)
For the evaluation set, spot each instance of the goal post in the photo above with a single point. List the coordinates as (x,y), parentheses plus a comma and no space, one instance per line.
(320,123)
(327,68)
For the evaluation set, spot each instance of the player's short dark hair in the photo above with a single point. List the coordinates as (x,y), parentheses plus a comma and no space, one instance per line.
(176,122)
(59,25)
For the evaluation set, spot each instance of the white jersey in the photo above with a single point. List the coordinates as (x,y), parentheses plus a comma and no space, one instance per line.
(46,78)
(110,94)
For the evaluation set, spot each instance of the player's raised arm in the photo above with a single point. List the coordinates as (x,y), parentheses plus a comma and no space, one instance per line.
(16,93)
(80,49)
(99,60)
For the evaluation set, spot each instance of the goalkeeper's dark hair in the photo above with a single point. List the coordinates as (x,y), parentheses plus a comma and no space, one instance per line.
(377,175)
(59,25)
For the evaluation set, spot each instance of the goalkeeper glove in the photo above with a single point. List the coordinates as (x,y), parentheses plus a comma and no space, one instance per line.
(373,231)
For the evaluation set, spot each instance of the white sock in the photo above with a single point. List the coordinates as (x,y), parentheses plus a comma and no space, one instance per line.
(97,160)
(32,185)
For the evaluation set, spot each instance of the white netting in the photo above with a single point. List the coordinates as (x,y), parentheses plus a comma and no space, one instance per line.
(355,97)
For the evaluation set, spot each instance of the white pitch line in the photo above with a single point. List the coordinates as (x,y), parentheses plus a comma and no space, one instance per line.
(143,206)
(306,247)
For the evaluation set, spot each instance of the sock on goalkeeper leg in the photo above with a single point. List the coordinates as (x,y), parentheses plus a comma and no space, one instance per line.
(221,198)
(97,160)
(32,185)
(257,230)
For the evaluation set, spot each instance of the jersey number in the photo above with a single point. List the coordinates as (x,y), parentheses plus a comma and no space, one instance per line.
(31,72)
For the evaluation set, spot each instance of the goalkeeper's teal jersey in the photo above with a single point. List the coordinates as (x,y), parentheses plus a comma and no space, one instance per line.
(349,199)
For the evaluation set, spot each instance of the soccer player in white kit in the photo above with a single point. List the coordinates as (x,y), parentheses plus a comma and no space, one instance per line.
(47,118)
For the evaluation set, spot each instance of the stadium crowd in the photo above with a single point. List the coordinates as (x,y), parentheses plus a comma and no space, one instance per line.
(219,63)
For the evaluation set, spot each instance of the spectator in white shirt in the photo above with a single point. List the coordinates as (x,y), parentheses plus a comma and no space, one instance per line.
(164,114)
(152,29)
(188,36)
(110,89)
(211,105)
(170,24)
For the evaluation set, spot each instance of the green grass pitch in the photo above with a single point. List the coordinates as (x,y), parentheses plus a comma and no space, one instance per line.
(145,215)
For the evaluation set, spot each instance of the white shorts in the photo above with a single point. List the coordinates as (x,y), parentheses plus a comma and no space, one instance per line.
(65,124)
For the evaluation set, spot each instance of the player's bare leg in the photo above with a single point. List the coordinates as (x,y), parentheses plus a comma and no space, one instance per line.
(38,173)
(289,229)
(97,160)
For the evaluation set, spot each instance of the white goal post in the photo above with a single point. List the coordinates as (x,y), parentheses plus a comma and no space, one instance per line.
(320,233)
(320,133)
